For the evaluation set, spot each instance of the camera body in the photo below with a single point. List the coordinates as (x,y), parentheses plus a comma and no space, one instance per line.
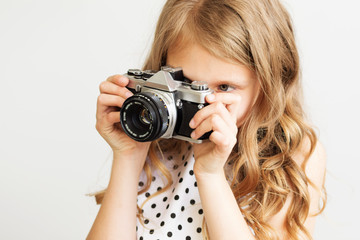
(163,104)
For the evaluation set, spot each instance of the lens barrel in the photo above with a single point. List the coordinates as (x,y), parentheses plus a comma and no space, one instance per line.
(144,117)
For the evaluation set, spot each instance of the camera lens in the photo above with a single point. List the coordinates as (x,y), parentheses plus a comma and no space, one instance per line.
(144,117)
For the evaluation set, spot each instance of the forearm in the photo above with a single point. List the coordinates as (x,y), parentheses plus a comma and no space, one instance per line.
(117,215)
(223,216)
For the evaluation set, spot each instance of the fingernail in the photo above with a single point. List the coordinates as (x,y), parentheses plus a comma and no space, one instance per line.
(123,79)
(192,123)
(192,135)
(211,97)
(128,94)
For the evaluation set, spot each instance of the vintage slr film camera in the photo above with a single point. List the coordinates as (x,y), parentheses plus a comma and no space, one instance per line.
(162,106)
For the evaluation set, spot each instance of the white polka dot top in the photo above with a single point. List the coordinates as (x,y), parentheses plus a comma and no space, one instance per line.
(176,213)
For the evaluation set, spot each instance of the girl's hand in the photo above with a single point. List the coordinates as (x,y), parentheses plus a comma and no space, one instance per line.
(113,93)
(221,117)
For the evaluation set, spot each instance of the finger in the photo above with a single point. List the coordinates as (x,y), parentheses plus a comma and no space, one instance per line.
(105,110)
(204,127)
(118,79)
(111,88)
(223,137)
(226,98)
(215,123)
(107,100)
(214,108)
(222,141)
(109,120)
(113,117)
(231,101)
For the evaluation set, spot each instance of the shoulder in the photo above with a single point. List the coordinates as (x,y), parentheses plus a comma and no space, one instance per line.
(312,159)
(315,170)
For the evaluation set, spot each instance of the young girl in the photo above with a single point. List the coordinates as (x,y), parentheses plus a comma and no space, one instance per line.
(260,174)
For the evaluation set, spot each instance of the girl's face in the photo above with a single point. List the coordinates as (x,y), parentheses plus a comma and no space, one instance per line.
(225,78)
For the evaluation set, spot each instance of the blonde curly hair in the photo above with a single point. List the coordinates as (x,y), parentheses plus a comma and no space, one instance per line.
(259,35)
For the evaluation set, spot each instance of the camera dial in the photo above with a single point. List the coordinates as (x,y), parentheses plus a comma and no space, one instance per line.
(199,86)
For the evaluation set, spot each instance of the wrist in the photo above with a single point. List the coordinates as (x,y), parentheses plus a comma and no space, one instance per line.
(128,164)
(133,156)
(207,176)
(132,149)
(204,169)
(124,172)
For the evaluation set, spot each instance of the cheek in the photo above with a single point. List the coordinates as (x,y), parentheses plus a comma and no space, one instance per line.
(243,111)
(248,100)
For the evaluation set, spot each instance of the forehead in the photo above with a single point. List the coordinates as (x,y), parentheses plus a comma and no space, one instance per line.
(199,65)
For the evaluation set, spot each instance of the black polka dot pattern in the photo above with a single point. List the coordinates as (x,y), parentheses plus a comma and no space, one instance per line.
(174,212)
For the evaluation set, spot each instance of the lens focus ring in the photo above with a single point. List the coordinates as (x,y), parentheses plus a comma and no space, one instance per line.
(144,117)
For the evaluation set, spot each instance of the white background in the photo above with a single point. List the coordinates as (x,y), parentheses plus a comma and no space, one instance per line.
(54,54)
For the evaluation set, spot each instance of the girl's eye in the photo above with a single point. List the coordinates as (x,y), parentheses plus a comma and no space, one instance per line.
(225,88)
